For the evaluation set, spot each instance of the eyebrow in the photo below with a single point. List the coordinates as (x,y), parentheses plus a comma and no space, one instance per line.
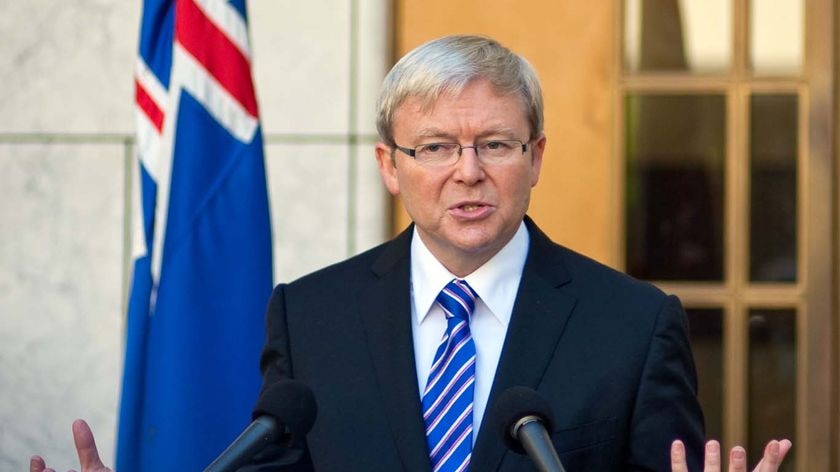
(434,133)
(442,134)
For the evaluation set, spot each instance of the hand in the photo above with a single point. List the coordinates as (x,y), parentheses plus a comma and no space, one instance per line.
(85,448)
(774,454)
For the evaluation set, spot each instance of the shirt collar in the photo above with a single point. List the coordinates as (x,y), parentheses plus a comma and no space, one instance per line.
(496,282)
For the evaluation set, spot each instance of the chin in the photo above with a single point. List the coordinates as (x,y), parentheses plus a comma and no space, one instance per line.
(476,245)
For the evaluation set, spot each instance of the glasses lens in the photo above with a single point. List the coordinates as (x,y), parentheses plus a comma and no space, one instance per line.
(499,151)
(436,154)
(445,154)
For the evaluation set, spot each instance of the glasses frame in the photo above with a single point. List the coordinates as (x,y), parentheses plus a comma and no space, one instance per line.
(412,151)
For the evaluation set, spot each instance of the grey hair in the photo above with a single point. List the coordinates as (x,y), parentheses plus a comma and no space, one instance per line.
(445,66)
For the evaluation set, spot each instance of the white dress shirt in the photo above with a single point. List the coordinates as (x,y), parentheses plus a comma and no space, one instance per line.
(496,283)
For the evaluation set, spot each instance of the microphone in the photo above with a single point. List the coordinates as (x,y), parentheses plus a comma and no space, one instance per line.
(284,414)
(522,416)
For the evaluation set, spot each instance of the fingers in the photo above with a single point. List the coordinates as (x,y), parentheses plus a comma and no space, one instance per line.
(712,460)
(774,454)
(86,446)
(770,462)
(678,462)
(784,446)
(37,464)
(737,459)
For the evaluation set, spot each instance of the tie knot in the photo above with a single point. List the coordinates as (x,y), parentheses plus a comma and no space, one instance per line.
(457,300)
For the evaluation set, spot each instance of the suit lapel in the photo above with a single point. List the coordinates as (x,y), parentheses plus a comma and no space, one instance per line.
(386,313)
(539,316)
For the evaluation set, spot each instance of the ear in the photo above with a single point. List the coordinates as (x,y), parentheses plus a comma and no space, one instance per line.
(387,168)
(537,150)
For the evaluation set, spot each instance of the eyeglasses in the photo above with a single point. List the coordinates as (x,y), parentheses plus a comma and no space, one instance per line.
(447,154)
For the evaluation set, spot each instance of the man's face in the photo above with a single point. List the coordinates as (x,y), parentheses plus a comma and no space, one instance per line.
(464,213)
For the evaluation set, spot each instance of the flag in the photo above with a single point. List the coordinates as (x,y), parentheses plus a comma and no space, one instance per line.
(202,267)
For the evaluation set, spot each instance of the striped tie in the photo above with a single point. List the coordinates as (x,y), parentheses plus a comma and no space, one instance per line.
(448,399)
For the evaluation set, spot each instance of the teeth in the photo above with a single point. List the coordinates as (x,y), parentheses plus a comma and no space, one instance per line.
(470,207)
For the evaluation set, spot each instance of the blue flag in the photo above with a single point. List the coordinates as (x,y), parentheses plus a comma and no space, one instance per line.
(202,272)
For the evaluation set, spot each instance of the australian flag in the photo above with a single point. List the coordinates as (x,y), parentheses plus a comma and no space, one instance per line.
(202,268)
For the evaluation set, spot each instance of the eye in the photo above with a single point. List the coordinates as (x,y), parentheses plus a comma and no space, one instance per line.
(435,148)
(497,145)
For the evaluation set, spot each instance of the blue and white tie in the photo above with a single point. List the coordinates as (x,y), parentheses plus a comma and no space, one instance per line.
(448,399)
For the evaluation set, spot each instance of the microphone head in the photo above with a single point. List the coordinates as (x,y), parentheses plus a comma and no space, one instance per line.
(291,403)
(514,404)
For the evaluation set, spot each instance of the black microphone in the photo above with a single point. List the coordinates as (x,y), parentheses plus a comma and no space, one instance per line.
(522,416)
(284,414)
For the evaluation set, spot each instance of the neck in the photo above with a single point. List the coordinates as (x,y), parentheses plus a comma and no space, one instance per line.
(459,262)
(461,268)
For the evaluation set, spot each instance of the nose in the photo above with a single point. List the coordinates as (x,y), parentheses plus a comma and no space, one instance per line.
(468,169)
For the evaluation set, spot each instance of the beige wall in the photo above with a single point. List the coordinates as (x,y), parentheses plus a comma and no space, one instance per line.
(571,45)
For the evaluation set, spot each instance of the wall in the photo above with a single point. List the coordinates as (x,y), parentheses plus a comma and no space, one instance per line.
(571,45)
(66,120)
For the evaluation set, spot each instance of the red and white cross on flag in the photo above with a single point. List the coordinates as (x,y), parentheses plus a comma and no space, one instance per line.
(202,243)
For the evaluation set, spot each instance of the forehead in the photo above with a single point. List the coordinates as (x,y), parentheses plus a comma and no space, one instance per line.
(476,107)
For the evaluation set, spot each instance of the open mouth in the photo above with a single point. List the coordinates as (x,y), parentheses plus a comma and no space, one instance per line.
(471,210)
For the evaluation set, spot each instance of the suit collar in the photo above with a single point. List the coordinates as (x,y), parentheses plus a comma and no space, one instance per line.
(539,317)
(546,257)
(386,315)
(394,253)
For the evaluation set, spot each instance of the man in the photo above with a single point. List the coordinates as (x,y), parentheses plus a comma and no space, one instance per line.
(461,127)
(407,346)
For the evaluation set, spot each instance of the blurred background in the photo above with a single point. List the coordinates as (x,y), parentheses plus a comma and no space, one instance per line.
(691,143)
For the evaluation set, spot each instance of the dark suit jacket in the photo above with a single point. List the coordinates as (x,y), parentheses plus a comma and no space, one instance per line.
(608,352)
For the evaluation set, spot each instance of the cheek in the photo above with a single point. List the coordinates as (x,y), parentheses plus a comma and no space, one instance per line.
(419,195)
(422,185)
(518,185)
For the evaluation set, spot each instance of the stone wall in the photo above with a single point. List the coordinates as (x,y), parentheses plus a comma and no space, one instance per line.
(66,144)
